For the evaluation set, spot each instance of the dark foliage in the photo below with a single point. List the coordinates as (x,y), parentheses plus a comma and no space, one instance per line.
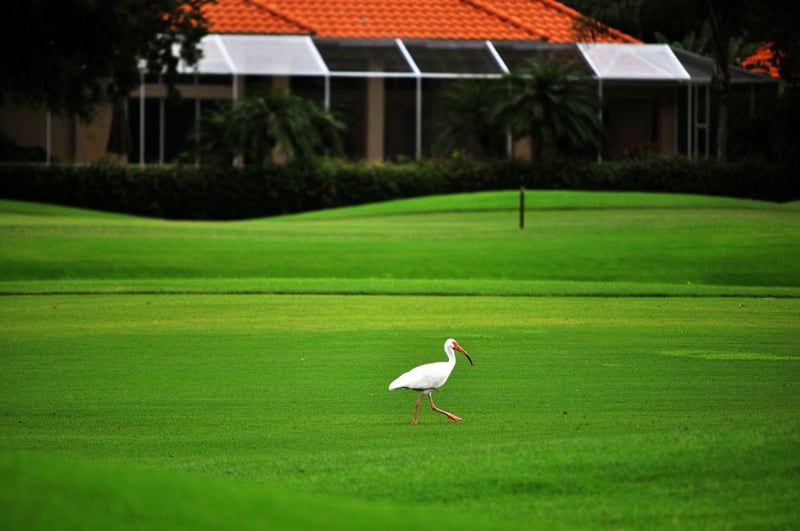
(71,55)
(235,193)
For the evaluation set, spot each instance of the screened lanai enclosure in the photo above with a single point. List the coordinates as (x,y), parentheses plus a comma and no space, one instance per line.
(651,96)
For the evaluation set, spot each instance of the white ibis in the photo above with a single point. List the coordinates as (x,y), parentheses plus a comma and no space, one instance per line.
(429,377)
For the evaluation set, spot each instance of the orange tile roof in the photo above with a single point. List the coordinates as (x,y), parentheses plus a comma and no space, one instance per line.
(426,19)
(763,62)
(250,16)
(555,20)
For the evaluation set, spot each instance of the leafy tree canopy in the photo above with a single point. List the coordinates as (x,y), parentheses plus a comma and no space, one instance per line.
(466,118)
(552,103)
(265,121)
(748,21)
(725,30)
(72,54)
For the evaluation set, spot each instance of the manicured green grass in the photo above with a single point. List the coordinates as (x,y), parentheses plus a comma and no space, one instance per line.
(636,366)
(650,239)
(45,492)
(579,412)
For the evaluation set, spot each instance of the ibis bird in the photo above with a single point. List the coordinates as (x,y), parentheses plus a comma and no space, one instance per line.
(429,377)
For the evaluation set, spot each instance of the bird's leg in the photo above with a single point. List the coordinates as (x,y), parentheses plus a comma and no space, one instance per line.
(442,411)
(416,409)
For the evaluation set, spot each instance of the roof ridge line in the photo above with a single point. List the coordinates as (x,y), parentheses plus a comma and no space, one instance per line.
(272,8)
(502,15)
(562,7)
(577,15)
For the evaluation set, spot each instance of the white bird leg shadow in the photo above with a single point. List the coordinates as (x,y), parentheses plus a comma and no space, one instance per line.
(447,414)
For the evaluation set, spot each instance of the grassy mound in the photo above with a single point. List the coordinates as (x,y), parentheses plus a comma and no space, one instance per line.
(635,366)
(570,237)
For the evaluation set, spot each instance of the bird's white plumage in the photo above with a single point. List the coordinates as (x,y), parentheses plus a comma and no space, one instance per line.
(429,377)
(424,378)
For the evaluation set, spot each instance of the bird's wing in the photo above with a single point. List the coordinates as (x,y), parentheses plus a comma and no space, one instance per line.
(422,378)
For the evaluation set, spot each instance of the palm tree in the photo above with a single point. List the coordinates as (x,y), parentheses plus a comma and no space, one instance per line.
(466,119)
(553,103)
(266,121)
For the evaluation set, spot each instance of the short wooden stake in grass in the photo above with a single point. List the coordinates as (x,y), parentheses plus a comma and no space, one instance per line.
(521,207)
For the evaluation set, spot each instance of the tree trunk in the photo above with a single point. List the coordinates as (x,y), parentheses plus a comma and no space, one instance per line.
(722,120)
(119,138)
(721,81)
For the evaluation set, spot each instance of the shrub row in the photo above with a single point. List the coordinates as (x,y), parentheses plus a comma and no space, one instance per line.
(185,192)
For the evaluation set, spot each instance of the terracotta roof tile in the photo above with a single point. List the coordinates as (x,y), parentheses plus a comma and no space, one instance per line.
(250,16)
(427,19)
(556,21)
(763,62)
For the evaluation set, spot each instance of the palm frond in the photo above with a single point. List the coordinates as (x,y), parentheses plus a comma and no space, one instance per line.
(266,121)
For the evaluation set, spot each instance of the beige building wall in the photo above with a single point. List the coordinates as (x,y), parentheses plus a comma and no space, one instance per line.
(91,139)
(281,83)
(24,126)
(71,139)
(523,148)
(62,138)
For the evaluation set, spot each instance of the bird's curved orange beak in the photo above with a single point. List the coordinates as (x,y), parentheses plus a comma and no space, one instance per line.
(464,352)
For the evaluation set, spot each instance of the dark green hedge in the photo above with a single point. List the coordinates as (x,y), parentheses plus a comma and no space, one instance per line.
(185,192)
